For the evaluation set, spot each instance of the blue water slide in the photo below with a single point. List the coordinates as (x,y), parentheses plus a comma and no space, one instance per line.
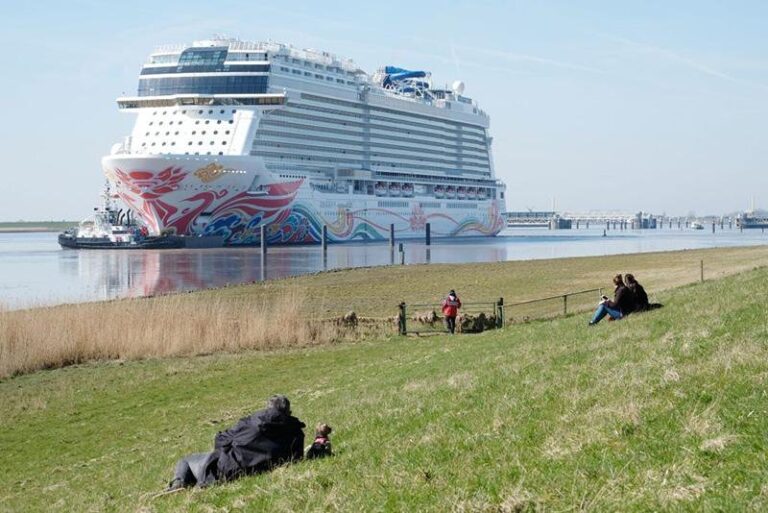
(395,74)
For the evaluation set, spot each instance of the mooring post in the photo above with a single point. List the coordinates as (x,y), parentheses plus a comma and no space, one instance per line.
(402,253)
(587,225)
(263,242)
(392,236)
(428,234)
(401,327)
(701,267)
(325,238)
(500,313)
(713,227)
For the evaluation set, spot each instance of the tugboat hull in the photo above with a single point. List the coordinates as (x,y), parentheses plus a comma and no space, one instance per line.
(169,242)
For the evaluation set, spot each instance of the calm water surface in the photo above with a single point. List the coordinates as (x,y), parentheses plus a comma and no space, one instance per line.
(35,271)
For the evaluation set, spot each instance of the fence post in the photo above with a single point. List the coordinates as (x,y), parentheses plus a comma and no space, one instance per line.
(401,327)
(565,304)
(701,264)
(500,313)
(402,253)
(325,238)
(263,235)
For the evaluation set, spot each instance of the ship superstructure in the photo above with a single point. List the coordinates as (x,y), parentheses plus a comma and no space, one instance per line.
(230,135)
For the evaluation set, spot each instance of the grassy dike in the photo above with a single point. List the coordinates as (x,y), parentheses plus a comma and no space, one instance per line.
(665,411)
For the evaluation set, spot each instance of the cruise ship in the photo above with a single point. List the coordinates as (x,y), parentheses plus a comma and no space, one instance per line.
(232,135)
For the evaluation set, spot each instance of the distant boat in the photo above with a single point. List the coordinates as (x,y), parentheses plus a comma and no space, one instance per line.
(697,226)
(752,220)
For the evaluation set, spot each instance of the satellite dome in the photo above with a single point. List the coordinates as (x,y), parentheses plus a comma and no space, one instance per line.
(458,87)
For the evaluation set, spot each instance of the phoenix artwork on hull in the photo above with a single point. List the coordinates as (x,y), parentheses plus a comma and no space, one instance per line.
(230,135)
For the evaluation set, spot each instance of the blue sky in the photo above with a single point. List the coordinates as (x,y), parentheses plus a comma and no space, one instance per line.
(631,105)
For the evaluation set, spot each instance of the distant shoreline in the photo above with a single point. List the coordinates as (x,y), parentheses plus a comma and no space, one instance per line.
(36,227)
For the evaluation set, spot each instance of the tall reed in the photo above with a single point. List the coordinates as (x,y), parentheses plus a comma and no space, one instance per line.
(159,327)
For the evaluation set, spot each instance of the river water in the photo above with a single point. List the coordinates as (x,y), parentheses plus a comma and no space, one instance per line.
(34,271)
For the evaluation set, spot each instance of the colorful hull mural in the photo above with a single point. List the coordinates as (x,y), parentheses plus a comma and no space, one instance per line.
(220,198)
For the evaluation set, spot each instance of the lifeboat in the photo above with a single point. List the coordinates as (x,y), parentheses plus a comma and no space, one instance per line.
(471,193)
(450,191)
(482,194)
(461,193)
(407,189)
(380,189)
(439,191)
(394,189)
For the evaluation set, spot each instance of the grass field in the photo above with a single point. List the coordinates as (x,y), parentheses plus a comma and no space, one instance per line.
(285,313)
(664,411)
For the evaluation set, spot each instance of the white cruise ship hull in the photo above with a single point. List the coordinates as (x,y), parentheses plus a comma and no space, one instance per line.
(232,196)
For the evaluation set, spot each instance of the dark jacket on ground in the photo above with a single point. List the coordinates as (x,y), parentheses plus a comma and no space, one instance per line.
(623,299)
(641,298)
(255,444)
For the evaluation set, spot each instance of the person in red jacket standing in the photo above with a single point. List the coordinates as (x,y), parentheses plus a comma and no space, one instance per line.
(451,306)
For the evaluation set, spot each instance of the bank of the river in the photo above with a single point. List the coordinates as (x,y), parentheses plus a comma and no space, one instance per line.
(36,226)
(664,411)
(294,311)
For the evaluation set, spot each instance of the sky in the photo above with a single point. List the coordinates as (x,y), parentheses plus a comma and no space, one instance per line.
(595,105)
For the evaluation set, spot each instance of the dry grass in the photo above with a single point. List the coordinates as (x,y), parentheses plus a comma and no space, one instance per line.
(276,314)
(166,326)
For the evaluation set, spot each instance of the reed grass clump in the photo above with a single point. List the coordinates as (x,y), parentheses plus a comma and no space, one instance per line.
(157,327)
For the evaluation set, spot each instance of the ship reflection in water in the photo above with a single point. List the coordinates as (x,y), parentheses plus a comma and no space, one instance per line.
(35,271)
(155,272)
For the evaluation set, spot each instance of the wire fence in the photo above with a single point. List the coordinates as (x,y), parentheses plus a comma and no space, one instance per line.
(552,306)
(474,316)
(427,318)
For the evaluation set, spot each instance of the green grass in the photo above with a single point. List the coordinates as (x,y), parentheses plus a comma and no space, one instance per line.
(665,411)
(376,291)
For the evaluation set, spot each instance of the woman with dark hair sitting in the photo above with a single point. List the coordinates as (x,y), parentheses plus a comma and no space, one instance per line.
(623,303)
(641,298)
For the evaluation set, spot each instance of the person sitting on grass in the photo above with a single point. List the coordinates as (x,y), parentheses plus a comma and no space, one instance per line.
(622,305)
(321,447)
(263,440)
(641,298)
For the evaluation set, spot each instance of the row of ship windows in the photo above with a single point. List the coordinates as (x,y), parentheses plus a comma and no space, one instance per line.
(466,156)
(452,162)
(357,106)
(197,122)
(215,132)
(202,85)
(436,204)
(358,162)
(317,76)
(363,125)
(173,143)
(308,64)
(184,112)
(466,147)
(188,153)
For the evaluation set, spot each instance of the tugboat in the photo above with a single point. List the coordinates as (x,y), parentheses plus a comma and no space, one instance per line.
(110,228)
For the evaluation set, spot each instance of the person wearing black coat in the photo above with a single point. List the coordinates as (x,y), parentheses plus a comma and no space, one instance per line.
(263,440)
(641,297)
(622,305)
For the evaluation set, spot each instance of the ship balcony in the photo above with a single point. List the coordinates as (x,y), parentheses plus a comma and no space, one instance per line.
(131,103)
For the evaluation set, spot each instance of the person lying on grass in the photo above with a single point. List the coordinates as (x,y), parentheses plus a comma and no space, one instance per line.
(622,305)
(263,440)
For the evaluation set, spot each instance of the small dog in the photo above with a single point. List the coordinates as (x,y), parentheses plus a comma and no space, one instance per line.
(321,447)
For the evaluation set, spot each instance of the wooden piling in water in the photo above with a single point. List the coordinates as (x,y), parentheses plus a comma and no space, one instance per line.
(263,232)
